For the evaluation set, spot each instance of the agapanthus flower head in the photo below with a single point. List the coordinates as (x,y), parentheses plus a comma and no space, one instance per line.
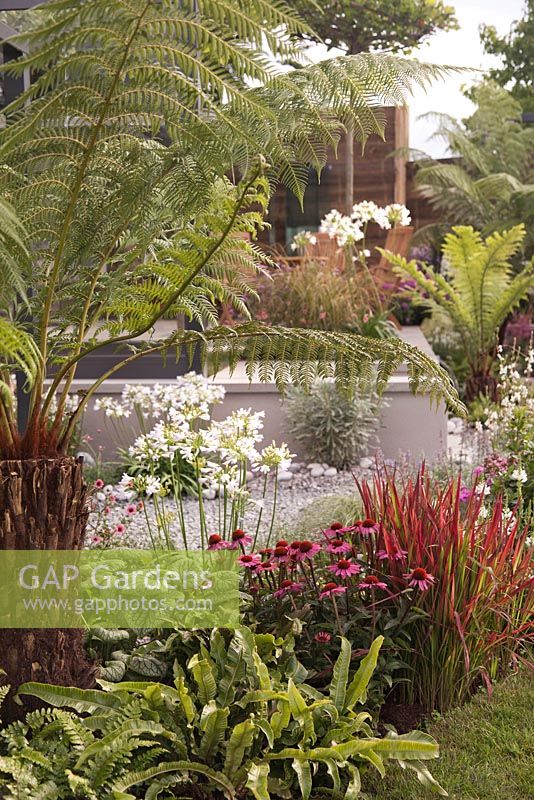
(307,550)
(240,538)
(274,458)
(420,579)
(372,582)
(338,546)
(250,560)
(344,568)
(288,587)
(366,526)
(330,589)
(322,637)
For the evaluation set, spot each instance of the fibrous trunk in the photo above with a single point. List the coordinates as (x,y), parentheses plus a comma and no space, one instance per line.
(43,506)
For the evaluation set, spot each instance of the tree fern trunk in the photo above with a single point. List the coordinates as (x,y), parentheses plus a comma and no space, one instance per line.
(43,506)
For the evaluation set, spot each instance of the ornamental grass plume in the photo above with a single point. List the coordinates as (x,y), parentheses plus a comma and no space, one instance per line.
(472,579)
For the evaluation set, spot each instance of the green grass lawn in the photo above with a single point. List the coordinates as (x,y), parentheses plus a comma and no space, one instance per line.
(487,750)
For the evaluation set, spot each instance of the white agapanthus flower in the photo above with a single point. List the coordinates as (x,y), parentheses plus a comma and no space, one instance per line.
(235,438)
(342,228)
(189,396)
(274,458)
(302,239)
(364,211)
(152,485)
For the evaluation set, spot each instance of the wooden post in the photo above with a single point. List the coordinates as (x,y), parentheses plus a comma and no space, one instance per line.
(401,140)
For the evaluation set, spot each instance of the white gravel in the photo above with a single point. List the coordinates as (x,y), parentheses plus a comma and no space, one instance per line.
(293,496)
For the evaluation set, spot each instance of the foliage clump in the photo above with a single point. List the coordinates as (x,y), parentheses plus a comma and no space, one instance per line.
(331,427)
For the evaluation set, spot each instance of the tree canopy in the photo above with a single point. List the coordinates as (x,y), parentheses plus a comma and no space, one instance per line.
(376,25)
(516,50)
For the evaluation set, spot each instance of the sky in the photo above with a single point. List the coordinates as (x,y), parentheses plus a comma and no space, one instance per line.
(457,48)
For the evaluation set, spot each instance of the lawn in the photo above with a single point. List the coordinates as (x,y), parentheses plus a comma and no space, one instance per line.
(487,749)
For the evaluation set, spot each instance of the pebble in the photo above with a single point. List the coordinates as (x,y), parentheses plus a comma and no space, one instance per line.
(250,475)
(330,472)
(314,465)
(317,472)
(296,466)
(366,462)
(285,476)
(293,496)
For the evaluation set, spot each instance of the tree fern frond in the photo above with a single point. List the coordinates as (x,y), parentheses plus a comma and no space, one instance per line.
(287,356)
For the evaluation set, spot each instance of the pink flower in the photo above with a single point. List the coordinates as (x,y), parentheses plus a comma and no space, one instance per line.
(281,554)
(344,568)
(372,582)
(336,530)
(97,539)
(239,539)
(252,561)
(338,546)
(267,566)
(288,587)
(465,494)
(420,579)
(478,470)
(120,528)
(330,589)
(216,542)
(99,483)
(131,509)
(322,637)
(307,550)
(396,555)
(366,526)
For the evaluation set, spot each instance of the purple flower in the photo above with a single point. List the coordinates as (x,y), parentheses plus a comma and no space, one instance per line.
(330,589)
(288,587)
(465,494)
(344,568)
(372,582)
(419,578)
(338,546)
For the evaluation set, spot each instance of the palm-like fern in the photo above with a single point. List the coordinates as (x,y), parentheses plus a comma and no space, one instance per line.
(116,161)
(475,295)
(491,184)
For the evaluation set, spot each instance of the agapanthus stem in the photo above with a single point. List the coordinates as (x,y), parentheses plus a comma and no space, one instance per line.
(264,494)
(273,515)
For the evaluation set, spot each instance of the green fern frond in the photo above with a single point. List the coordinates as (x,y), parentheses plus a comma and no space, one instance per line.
(478,290)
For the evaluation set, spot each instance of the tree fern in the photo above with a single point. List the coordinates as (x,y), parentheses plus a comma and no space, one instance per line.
(476,294)
(116,162)
(490,183)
